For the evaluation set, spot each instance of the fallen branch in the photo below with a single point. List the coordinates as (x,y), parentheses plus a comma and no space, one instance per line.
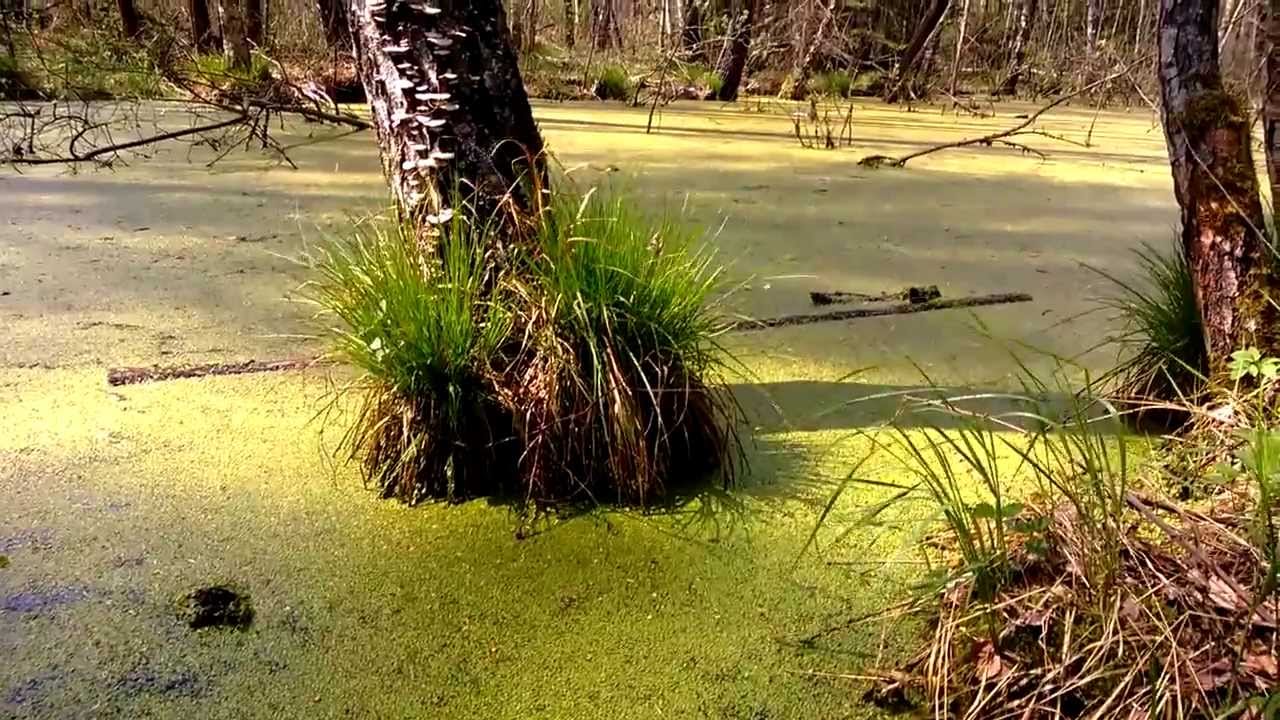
(136,375)
(898,309)
(1001,137)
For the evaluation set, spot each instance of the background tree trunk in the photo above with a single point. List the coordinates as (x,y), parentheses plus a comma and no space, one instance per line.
(1092,24)
(606,33)
(915,50)
(235,39)
(1207,131)
(691,32)
(337,31)
(255,22)
(734,62)
(797,82)
(202,28)
(448,105)
(570,23)
(130,21)
(1018,55)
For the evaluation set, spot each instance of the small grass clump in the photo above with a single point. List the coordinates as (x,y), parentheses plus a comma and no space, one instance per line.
(1163,357)
(834,83)
(580,364)
(613,83)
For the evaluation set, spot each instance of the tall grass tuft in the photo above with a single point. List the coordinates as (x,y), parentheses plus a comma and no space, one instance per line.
(1163,360)
(582,362)
(621,398)
(427,340)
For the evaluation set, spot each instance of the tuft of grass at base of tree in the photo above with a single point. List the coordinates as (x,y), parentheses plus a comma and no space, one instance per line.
(581,365)
(1163,357)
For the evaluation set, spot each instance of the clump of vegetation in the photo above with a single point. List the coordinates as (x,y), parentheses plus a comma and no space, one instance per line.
(1163,361)
(834,83)
(1067,588)
(427,344)
(613,83)
(581,365)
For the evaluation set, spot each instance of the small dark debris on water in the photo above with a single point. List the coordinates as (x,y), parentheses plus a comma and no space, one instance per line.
(913,295)
(215,606)
(4,561)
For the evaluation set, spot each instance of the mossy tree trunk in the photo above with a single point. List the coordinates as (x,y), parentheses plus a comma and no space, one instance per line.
(733,64)
(448,105)
(1207,132)
(915,51)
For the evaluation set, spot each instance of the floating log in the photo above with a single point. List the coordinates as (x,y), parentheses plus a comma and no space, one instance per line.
(865,312)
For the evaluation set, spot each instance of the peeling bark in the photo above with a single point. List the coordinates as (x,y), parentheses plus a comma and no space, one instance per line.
(448,104)
(1207,132)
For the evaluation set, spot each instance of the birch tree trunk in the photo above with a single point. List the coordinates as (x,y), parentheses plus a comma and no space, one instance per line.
(915,50)
(448,105)
(1216,185)
(1092,23)
(1018,55)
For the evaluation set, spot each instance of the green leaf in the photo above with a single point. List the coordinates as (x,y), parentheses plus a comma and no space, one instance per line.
(1009,510)
(984,511)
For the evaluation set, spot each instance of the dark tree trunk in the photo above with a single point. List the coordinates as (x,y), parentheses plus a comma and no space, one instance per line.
(733,65)
(916,49)
(255,29)
(201,27)
(1018,53)
(333,15)
(570,23)
(448,104)
(1207,131)
(130,21)
(691,32)
(1271,97)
